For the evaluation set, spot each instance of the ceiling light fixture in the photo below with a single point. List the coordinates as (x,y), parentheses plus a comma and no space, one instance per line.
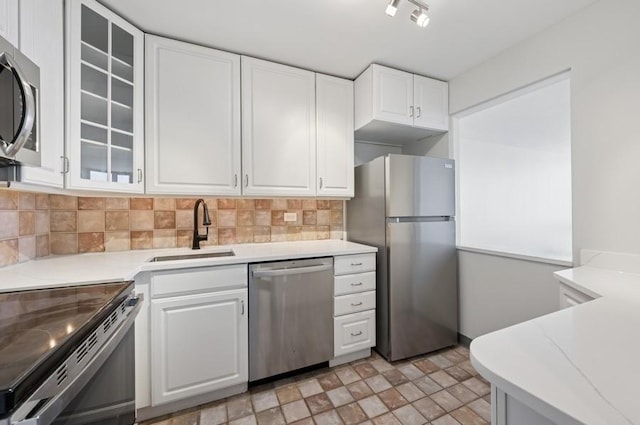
(392,7)
(419,16)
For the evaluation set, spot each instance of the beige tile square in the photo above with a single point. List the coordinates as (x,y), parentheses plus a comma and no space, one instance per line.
(244,234)
(277,218)
(246,204)
(226,236)
(264,400)
(91,242)
(185,203)
(408,415)
(245,217)
(184,219)
(323,204)
(278,233)
(279,204)
(91,221)
(26,248)
(90,203)
(117,221)
(141,220)
(294,204)
(294,233)
(309,217)
(8,199)
(141,203)
(337,205)
(9,224)
(262,218)
(42,201)
(117,241)
(184,238)
(42,246)
(27,225)
(141,239)
(323,217)
(226,204)
(164,204)
(429,408)
(443,379)
(117,203)
(64,221)
(309,233)
(42,222)
(165,238)
(227,218)
(164,219)
(323,232)
(215,415)
(340,396)
(337,232)
(9,252)
(263,204)
(27,201)
(309,388)
(309,204)
(336,217)
(295,411)
(63,202)
(446,401)
(373,406)
(63,243)
(262,234)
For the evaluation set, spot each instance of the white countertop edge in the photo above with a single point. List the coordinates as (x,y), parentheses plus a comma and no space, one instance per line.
(522,257)
(74,270)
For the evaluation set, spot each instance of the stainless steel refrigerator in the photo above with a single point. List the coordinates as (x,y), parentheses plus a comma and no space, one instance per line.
(405,206)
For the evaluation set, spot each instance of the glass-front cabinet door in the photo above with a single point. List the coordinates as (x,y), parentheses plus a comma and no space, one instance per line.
(105,140)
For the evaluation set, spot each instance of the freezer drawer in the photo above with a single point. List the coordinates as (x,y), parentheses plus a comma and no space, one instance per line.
(290,316)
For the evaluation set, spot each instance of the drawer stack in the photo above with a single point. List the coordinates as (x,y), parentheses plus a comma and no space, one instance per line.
(354,303)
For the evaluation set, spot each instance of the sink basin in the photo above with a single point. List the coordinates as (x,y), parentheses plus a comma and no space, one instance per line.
(192,256)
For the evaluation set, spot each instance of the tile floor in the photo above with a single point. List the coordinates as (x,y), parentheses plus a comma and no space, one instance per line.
(440,388)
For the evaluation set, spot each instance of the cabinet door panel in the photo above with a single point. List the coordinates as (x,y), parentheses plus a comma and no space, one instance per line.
(42,40)
(193,119)
(9,21)
(105,74)
(334,100)
(279,129)
(431,99)
(393,94)
(199,344)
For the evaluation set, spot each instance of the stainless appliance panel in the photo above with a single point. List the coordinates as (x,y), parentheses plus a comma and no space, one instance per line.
(366,224)
(423,290)
(419,186)
(19,124)
(290,316)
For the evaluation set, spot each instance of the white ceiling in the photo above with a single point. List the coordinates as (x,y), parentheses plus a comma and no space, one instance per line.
(342,37)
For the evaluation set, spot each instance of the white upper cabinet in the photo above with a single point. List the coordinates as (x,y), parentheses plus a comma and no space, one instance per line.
(334,108)
(395,106)
(10,20)
(431,100)
(105,122)
(192,119)
(42,40)
(279,129)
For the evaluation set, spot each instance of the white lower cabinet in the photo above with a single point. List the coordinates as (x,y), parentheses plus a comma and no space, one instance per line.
(192,337)
(199,344)
(354,308)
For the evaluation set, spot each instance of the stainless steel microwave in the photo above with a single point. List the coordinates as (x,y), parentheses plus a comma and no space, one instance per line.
(19,108)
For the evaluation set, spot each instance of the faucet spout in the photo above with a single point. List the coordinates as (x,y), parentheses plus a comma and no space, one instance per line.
(206,221)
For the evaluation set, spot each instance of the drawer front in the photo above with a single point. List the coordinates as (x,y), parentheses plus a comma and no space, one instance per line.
(352,283)
(201,279)
(347,304)
(358,263)
(354,332)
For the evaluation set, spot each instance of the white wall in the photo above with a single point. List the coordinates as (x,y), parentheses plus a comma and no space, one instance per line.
(600,45)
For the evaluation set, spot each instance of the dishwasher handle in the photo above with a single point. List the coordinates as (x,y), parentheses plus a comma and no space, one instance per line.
(290,271)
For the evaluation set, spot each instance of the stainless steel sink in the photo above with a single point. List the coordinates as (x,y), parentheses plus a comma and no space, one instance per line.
(192,256)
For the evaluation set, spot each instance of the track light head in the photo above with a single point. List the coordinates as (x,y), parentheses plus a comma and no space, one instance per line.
(392,7)
(420,17)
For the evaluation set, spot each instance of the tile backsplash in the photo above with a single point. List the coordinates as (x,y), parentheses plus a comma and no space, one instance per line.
(34,225)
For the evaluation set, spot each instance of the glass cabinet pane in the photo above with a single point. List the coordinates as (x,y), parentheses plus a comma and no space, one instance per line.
(93,109)
(122,70)
(121,45)
(122,140)
(94,161)
(94,57)
(95,29)
(92,133)
(94,81)
(121,166)
(121,92)
(121,118)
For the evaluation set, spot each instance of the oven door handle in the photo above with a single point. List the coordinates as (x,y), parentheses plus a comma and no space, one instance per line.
(56,405)
(11,147)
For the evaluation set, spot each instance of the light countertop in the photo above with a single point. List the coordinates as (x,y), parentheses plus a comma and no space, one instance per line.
(575,366)
(91,268)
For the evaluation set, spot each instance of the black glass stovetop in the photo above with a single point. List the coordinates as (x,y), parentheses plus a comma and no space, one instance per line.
(40,328)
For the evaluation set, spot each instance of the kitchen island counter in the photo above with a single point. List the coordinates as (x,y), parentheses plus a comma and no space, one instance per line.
(575,366)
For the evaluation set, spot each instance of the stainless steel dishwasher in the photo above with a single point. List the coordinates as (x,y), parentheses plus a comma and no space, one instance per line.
(290,316)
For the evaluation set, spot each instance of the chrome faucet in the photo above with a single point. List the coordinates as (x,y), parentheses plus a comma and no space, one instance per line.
(206,221)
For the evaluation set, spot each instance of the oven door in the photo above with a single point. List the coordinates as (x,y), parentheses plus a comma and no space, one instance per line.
(102,393)
(19,84)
